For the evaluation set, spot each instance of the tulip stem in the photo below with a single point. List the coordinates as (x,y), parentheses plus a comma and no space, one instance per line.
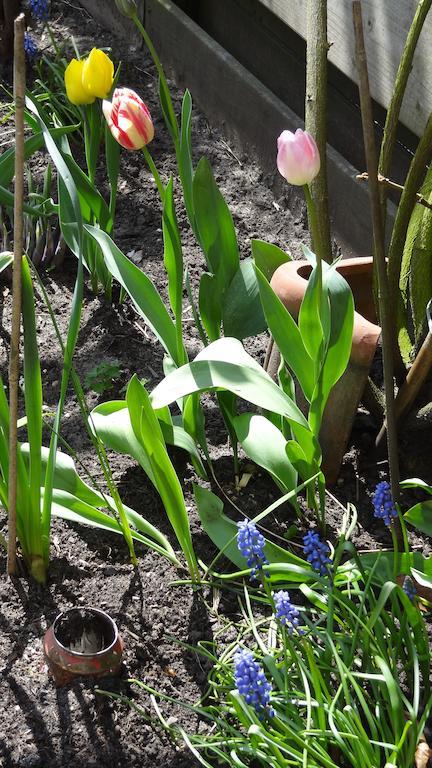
(155,173)
(315,232)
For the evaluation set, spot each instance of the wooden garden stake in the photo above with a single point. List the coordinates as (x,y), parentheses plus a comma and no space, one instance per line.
(19,97)
(316,112)
(379,247)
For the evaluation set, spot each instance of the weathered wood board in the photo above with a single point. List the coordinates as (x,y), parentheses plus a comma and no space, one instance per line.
(386,24)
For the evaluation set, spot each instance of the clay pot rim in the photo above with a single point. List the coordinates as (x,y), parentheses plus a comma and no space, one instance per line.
(89,608)
(361,264)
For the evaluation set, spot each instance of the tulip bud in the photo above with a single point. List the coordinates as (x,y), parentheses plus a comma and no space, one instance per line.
(298,159)
(128,119)
(98,74)
(127,8)
(75,90)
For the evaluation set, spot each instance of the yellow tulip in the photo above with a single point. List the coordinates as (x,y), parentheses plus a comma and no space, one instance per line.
(73,82)
(98,74)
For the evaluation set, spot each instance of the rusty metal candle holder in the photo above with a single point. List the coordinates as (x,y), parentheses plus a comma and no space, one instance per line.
(82,642)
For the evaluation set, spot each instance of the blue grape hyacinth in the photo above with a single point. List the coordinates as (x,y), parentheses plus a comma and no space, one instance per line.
(252,683)
(317,552)
(409,588)
(30,47)
(383,504)
(40,9)
(251,545)
(286,612)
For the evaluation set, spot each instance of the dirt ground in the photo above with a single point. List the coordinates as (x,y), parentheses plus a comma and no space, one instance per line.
(45,727)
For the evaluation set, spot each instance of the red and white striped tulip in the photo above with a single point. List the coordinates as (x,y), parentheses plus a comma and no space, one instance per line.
(128,119)
(298,158)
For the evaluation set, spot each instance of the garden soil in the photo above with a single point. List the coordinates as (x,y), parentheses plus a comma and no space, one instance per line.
(45,727)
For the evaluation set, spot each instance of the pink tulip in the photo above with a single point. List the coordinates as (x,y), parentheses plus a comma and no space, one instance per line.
(128,119)
(298,159)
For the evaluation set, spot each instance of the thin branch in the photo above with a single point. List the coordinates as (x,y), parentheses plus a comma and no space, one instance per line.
(394,185)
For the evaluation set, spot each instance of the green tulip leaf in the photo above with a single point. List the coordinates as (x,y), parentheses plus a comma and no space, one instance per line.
(242,313)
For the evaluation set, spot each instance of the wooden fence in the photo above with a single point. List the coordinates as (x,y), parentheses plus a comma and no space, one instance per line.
(386,24)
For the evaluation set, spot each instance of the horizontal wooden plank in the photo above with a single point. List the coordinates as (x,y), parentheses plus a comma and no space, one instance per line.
(386,24)
(226,94)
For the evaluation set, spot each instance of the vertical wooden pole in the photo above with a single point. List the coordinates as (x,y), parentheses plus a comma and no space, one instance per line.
(384,300)
(19,97)
(316,113)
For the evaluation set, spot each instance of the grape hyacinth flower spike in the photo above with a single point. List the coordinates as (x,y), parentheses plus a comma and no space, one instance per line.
(251,545)
(409,588)
(30,47)
(40,9)
(286,612)
(252,683)
(317,552)
(383,504)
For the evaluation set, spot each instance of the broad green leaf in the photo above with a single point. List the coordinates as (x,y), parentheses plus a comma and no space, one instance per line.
(298,460)
(46,209)
(338,344)
(67,480)
(91,201)
(268,257)
(6,259)
(173,260)
(341,327)
(210,305)
(415,482)
(112,422)
(112,159)
(385,570)
(141,290)
(287,336)
(33,407)
(31,145)
(214,368)
(194,422)
(71,225)
(149,434)
(215,226)
(415,274)
(312,324)
(185,163)
(68,507)
(420,515)
(266,446)
(242,313)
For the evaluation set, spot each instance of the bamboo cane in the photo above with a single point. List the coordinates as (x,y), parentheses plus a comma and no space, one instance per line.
(19,96)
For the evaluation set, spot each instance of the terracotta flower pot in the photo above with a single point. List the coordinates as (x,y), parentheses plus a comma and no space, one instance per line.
(82,642)
(289,283)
